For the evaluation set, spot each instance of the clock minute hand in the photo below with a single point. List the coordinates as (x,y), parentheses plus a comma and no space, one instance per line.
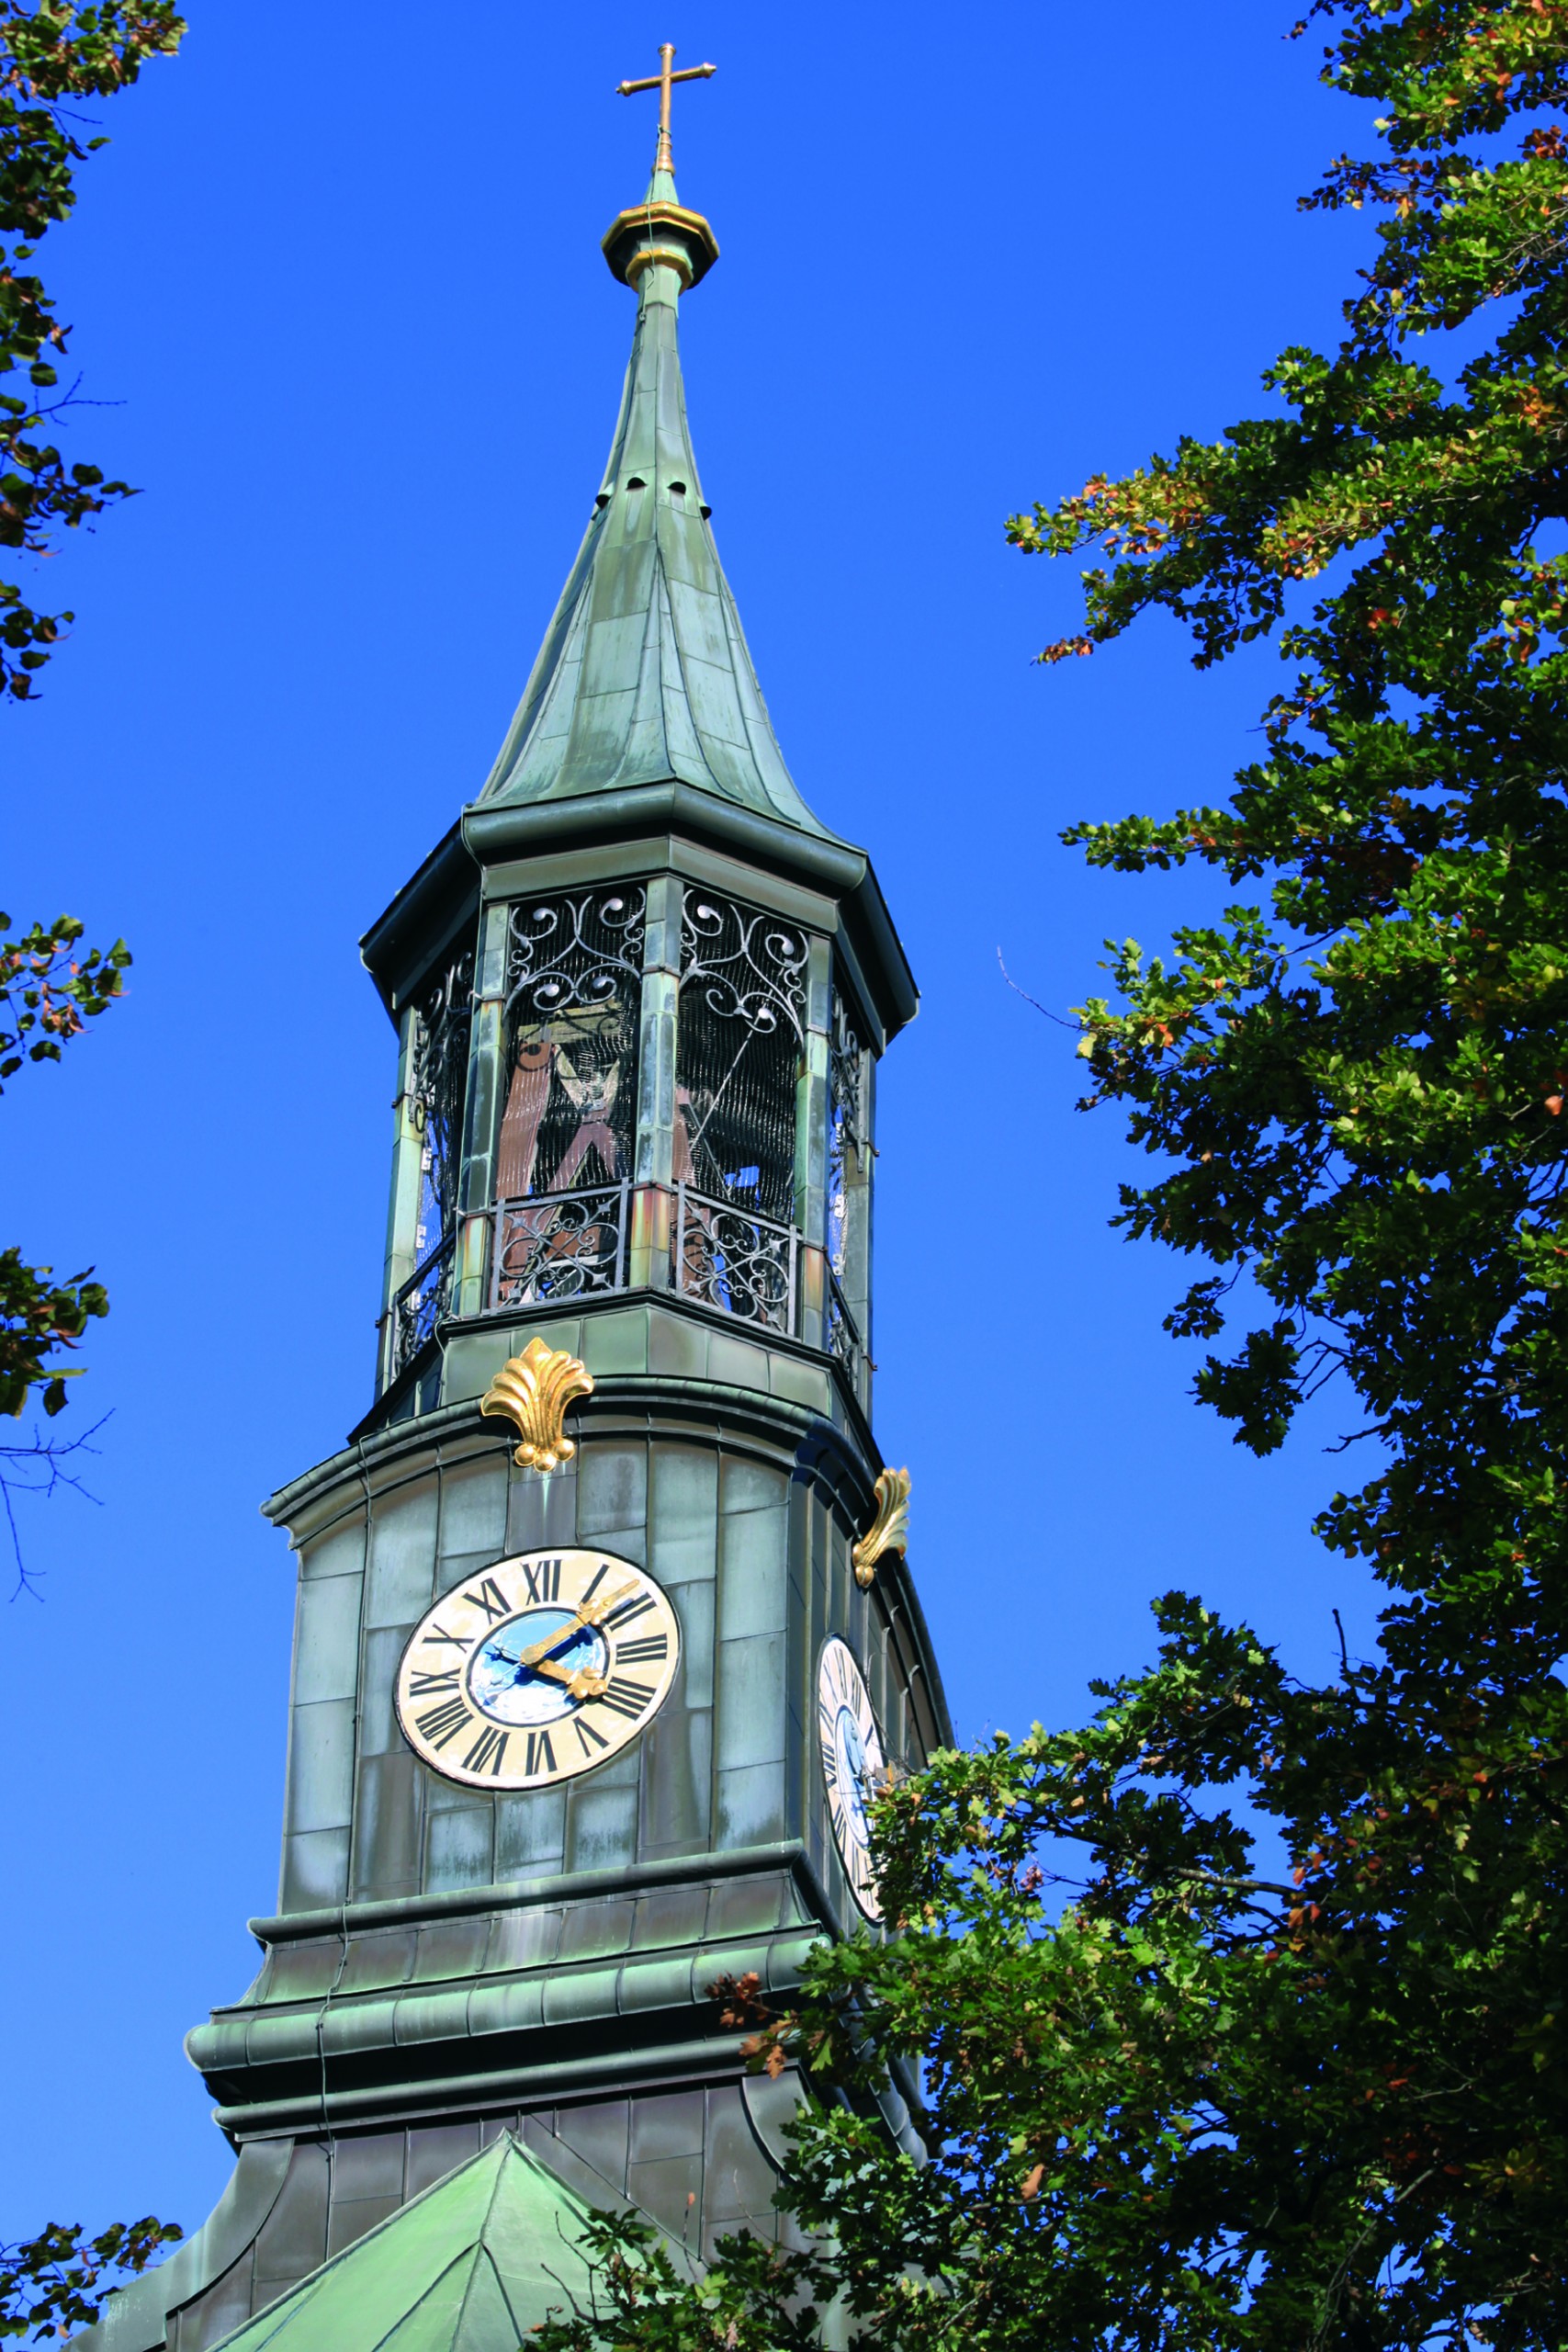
(558,1640)
(593,1613)
(588,1612)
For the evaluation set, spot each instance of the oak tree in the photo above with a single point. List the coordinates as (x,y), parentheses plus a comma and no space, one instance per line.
(53,55)
(54,2284)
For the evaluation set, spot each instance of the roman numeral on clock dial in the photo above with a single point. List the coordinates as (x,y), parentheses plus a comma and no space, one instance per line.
(644,1651)
(490,1598)
(488,1752)
(625,1697)
(442,1724)
(542,1579)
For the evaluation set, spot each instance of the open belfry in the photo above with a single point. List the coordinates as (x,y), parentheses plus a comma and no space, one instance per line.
(605,1630)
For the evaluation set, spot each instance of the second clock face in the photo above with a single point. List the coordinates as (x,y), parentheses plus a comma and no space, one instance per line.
(853,1765)
(537,1668)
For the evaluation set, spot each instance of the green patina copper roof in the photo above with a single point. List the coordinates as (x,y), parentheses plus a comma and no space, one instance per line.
(644,675)
(471,2266)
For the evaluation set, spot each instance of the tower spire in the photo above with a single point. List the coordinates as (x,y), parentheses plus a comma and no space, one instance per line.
(644,684)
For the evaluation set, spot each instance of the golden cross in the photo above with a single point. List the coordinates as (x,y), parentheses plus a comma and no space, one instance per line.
(664,82)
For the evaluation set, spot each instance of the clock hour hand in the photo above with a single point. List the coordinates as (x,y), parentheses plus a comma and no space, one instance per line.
(582,1681)
(537,1650)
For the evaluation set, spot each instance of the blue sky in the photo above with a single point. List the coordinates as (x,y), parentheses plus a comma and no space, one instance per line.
(339,269)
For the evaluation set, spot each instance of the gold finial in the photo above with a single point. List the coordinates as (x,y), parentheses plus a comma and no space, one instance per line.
(534,1390)
(662,82)
(889,1530)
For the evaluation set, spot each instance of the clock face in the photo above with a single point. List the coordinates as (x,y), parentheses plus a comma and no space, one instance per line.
(537,1668)
(852,1764)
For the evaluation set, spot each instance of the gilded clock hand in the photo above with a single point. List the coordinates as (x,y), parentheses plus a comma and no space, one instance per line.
(589,1612)
(522,1668)
(582,1681)
(593,1613)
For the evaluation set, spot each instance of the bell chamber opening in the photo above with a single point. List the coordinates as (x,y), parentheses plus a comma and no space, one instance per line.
(569,1126)
(436,1055)
(739,1057)
(645,1086)
(849,1176)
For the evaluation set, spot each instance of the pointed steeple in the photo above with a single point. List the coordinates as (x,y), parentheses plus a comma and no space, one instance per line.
(644,678)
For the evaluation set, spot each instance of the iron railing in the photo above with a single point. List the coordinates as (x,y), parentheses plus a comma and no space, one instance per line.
(558,1246)
(729,1258)
(418,1307)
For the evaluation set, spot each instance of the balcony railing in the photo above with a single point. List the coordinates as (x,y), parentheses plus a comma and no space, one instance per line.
(554,1247)
(558,1246)
(743,1265)
(418,1307)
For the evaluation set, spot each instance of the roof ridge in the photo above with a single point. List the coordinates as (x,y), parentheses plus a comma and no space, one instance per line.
(508,2144)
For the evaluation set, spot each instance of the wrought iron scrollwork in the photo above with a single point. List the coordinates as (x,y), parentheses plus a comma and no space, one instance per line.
(419,1307)
(846,1128)
(571,954)
(436,1081)
(742,1031)
(573,983)
(749,966)
(744,1266)
(558,1246)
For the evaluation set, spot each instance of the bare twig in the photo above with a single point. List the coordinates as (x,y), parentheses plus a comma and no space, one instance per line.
(1034,1001)
(37,1469)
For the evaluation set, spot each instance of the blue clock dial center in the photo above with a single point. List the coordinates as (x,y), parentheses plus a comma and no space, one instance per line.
(511,1692)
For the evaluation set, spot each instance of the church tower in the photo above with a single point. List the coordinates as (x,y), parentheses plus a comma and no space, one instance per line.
(602,1622)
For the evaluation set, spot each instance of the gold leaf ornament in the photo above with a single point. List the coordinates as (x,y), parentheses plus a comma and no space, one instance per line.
(889,1530)
(534,1390)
